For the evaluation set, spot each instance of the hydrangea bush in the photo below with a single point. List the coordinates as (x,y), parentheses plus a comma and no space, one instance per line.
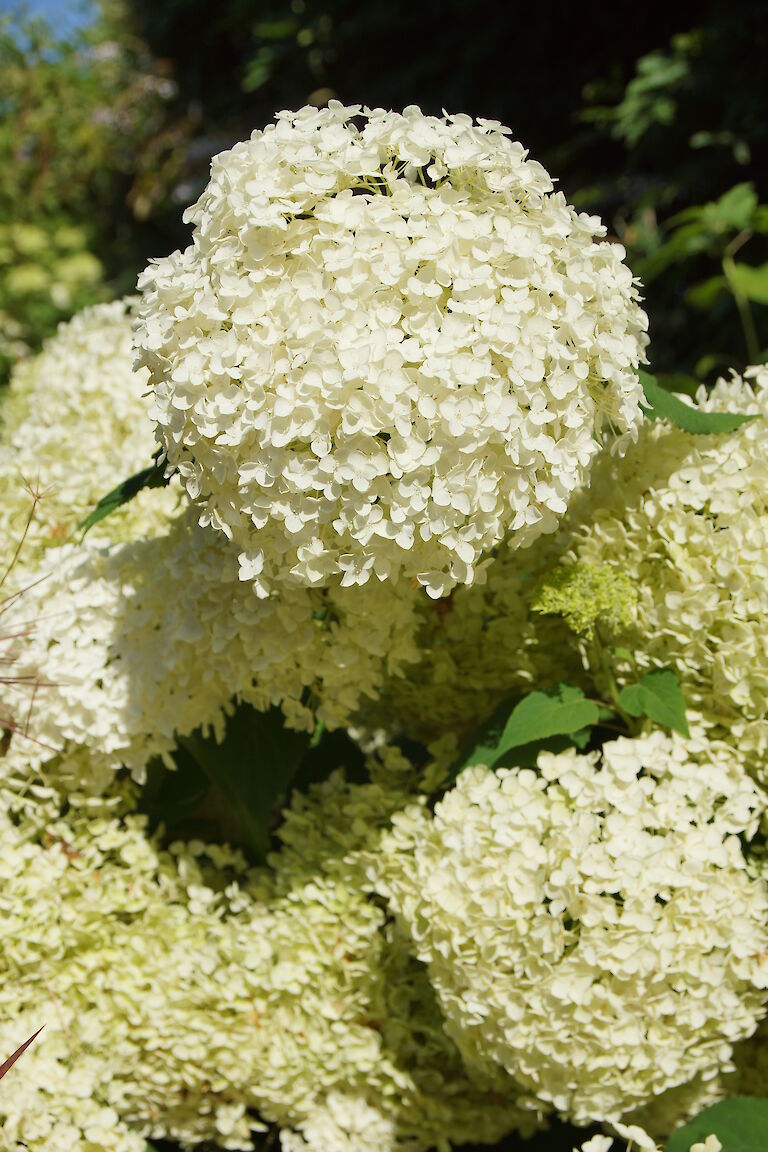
(394,776)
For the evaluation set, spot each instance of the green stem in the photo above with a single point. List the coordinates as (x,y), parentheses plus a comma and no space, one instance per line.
(742,304)
(613,688)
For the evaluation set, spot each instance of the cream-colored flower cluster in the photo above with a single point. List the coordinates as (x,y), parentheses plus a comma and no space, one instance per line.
(686,519)
(53,1102)
(388,347)
(683,521)
(99,934)
(185,997)
(591,926)
(75,422)
(137,643)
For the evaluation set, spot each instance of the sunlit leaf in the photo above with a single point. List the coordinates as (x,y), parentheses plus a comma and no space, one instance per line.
(751,282)
(658,696)
(663,405)
(740,1124)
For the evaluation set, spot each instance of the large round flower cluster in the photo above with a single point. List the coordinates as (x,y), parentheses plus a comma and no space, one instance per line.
(389,346)
(191,999)
(138,643)
(686,519)
(74,422)
(591,926)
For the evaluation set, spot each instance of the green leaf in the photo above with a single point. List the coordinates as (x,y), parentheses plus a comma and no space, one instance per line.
(662,405)
(734,211)
(658,696)
(707,292)
(740,1125)
(252,768)
(541,715)
(536,718)
(622,653)
(152,477)
(484,743)
(581,738)
(751,282)
(232,791)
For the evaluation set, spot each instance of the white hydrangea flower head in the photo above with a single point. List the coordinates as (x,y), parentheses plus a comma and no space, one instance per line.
(686,519)
(592,926)
(194,996)
(389,345)
(74,423)
(138,642)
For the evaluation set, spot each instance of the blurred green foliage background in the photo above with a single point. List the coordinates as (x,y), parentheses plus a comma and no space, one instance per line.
(652,116)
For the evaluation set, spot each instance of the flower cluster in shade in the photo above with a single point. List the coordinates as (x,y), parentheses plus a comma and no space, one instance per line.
(389,345)
(137,643)
(187,997)
(592,926)
(476,647)
(75,422)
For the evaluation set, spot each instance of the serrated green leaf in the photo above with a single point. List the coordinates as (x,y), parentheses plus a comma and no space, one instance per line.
(751,282)
(740,1124)
(152,477)
(658,696)
(663,405)
(541,715)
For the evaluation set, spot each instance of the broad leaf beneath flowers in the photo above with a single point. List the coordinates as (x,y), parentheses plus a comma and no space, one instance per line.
(534,720)
(740,1124)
